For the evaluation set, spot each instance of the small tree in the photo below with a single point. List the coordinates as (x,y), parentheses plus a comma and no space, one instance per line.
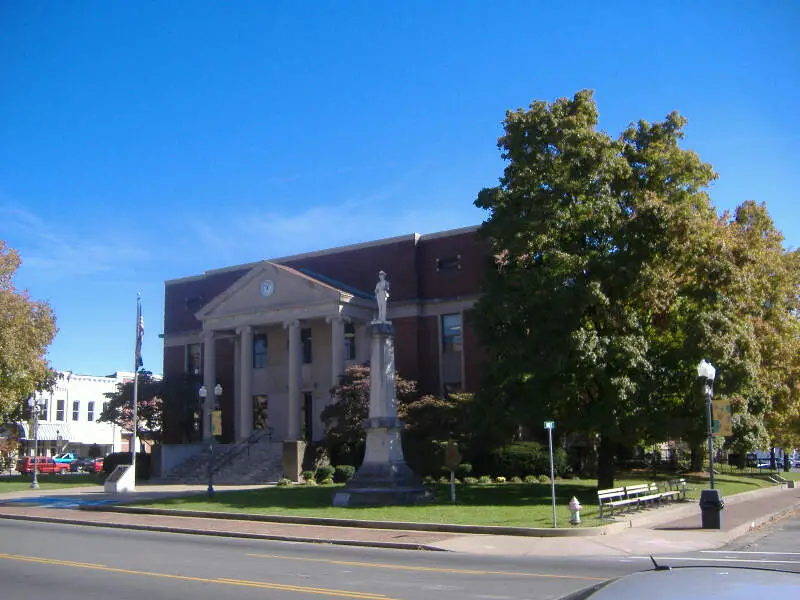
(344,434)
(149,409)
(8,452)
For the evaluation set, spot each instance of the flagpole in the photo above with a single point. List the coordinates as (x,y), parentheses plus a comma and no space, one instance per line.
(136,363)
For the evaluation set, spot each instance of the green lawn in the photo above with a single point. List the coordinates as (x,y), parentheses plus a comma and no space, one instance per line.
(523,505)
(16,483)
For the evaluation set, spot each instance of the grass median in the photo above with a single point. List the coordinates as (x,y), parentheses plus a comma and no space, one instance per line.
(18,483)
(507,504)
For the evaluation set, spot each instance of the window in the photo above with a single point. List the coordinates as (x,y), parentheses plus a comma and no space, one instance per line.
(43,412)
(305,338)
(76,410)
(259,351)
(306,416)
(451,333)
(90,415)
(60,410)
(194,359)
(449,263)
(349,341)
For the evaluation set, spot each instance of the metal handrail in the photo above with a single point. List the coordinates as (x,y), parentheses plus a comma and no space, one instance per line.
(224,459)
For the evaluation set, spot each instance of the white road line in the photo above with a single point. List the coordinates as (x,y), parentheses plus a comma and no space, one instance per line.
(749,552)
(662,560)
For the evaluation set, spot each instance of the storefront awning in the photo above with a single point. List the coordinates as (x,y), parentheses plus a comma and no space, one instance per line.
(47,432)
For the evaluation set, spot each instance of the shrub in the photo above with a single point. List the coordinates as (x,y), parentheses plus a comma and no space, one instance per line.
(310,482)
(531,479)
(284,482)
(343,473)
(111,461)
(499,479)
(325,472)
(307,475)
(520,459)
(428,480)
(516,479)
(470,480)
(484,479)
(326,481)
(464,469)
(543,479)
(444,479)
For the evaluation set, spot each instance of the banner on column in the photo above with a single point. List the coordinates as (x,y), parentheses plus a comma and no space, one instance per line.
(216,422)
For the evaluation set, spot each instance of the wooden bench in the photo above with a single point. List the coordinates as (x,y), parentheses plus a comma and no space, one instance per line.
(613,498)
(675,490)
(643,492)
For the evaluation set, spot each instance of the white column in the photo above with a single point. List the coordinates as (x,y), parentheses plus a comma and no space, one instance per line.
(246,381)
(237,394)
(295,380)
(337,348)
(209,380)
(363,342)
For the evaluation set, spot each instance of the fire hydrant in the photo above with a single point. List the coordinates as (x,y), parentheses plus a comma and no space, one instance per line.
(575,509)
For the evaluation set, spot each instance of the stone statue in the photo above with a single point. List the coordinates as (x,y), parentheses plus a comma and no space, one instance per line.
(382,296)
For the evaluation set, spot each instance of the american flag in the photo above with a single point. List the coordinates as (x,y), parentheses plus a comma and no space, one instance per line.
(139,333)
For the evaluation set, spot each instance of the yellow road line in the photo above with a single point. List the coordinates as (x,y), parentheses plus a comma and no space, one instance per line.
(220,580)
(348,563)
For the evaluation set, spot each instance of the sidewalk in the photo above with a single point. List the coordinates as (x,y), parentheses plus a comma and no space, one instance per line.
(661,530)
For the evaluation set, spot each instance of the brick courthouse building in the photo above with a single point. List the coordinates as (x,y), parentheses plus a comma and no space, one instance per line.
(277,334)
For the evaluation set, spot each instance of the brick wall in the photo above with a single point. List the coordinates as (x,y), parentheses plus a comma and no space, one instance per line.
(183,299)
(359,268)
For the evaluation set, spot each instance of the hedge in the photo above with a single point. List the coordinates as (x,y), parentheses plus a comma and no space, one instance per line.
(518,460)
(143,467)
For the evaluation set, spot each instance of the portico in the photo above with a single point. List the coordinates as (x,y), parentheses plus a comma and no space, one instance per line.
(293,335)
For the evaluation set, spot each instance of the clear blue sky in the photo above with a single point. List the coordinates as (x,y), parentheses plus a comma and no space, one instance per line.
(145,141)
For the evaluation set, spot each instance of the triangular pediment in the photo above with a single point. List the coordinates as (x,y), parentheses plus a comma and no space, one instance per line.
(271,287)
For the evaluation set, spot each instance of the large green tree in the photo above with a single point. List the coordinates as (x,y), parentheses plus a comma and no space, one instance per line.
(593,238)
(27,328)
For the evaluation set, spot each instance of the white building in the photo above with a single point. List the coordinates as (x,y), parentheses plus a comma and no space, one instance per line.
(68,421)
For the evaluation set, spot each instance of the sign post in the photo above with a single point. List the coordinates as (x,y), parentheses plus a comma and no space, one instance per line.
(550,425)
(452,458)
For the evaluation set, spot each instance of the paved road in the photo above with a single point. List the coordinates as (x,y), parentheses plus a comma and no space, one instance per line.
(775,546)
(64,562)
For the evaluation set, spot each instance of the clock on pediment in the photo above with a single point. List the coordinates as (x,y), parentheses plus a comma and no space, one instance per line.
(267,287)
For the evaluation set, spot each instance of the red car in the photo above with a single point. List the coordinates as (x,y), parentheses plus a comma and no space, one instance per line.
(44,464)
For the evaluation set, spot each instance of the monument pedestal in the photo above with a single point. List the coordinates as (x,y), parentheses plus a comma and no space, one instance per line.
(293,452)
(383,478)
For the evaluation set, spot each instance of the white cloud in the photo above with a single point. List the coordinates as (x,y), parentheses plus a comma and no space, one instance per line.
(60,250)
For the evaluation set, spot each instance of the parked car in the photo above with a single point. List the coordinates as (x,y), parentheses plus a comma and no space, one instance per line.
(43,464)
(87,465)
(67,457)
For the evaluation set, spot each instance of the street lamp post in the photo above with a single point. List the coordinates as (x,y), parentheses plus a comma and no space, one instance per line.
(707,372)
(36,408)
(711,502)
(203,393)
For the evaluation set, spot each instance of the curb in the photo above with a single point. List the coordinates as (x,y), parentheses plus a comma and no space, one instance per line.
(398,525)
(227,534)
(762,520)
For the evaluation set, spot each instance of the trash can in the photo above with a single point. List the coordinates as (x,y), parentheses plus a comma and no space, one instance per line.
(711,505)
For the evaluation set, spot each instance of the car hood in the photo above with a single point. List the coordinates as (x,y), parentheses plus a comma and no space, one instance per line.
(697,583)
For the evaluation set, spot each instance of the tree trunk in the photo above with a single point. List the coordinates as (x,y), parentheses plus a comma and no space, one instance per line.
(698,454)
(605,463)
(772,459)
